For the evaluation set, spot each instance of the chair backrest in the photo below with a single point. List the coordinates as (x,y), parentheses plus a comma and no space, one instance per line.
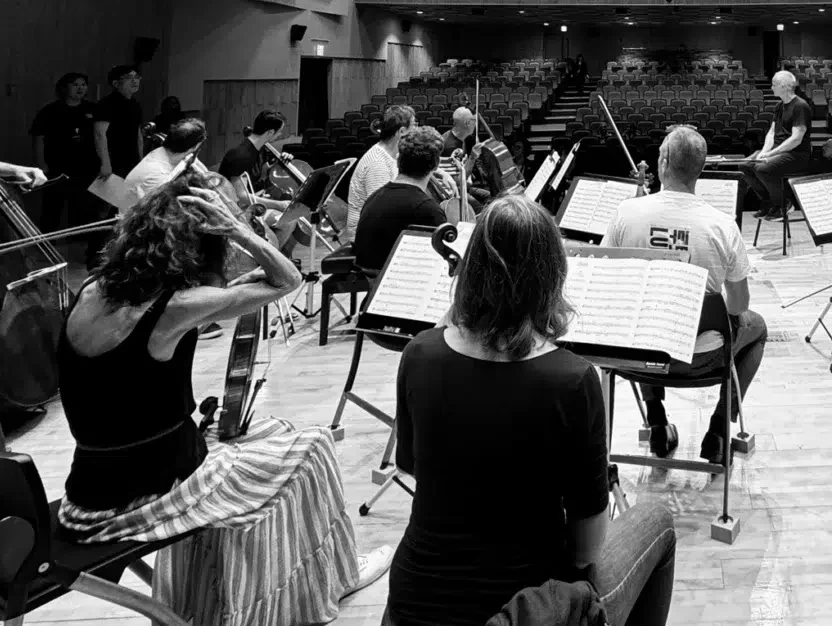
(714,317)
(22,497)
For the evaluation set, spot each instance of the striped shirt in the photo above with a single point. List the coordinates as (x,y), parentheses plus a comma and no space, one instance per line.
(375,169)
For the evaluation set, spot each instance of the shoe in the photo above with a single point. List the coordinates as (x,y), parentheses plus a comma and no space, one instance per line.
(663,440)
(761,214)
(781,215)
(713,448)
(775,214)
(371,567)
(210,331)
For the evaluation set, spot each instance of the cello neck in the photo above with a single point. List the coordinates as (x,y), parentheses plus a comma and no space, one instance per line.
(286,164)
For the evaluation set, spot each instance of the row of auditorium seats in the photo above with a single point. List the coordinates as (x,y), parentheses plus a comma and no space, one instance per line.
(504,102)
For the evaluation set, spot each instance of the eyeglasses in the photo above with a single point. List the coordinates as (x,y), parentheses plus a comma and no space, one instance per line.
(131,76)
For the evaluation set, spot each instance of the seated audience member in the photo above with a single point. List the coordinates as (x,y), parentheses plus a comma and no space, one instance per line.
(676,219)
(506,435)
(404,201)
(183,138)
(276,545)
(378,166)
(787,148)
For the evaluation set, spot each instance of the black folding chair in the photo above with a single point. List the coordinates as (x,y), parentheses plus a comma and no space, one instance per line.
(38,563)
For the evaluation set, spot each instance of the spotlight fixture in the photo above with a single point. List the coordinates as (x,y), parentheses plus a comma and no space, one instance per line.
(563,28)
(780,27)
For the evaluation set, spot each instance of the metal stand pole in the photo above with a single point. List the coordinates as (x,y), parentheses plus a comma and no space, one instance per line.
(814,293)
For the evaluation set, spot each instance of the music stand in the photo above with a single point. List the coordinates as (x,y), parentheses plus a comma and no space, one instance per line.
(714,193)
(312,195)
(811,194)
(537,185)
(590,234)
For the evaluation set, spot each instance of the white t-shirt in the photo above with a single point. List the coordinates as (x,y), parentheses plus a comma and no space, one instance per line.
(375,169)
(152,171)
(672,220)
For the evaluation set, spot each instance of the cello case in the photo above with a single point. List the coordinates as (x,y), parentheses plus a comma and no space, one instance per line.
(35,297)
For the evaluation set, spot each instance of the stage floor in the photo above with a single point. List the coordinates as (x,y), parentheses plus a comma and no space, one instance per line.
(778,572)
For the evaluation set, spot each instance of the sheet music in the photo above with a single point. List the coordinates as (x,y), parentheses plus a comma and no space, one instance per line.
(543,174)
(815,199)
(416,285)
(635,303)
(567,163)
(593,205)
(113,191)
(720,194)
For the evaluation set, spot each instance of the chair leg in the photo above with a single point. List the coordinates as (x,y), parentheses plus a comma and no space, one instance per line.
(744,441)
(726,528)
(643,433)
(757,232)
(786,231)
(143,571)
(353,303)
(335,427)
(326,301)
(122,596)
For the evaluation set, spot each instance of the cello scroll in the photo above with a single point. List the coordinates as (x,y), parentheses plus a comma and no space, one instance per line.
(442,236)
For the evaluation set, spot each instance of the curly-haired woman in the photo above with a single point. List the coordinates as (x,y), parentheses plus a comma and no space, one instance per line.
(277,545)
(506,435)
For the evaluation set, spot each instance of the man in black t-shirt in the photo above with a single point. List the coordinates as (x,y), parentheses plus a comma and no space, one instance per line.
(118,119)
(118,140)
(786,151)
(248,158)
(402,202)
(461,137)
(63,144)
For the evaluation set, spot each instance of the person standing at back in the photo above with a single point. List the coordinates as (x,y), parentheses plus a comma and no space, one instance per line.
(676,219)
(63,143)
(787,149)
(118,140)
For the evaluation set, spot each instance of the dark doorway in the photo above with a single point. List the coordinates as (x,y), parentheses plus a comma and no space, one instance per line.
(313,100)
(771,51)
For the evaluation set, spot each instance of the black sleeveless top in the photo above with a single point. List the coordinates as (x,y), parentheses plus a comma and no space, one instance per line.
(130,417)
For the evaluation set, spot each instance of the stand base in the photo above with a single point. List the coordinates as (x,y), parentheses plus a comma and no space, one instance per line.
(743,443)
(337,433)
(381,476)
(725,531)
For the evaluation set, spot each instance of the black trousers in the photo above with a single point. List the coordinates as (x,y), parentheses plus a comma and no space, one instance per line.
(70,196)
(766,178)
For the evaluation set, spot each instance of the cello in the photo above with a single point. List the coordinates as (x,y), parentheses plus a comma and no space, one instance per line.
(458,209)
(36,297)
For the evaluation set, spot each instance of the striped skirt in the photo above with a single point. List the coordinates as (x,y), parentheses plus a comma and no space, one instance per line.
(278,547)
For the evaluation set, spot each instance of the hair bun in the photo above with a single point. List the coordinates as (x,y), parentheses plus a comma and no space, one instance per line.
(247,130)
(376,126)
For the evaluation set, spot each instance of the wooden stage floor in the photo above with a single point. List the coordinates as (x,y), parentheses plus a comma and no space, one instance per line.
(778,572)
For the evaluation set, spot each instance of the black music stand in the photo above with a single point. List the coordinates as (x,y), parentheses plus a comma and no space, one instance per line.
(586,236)
(313,195)
(392,332)
(609,359)
(819,239)
(567,164)
(742,188)
(537,185)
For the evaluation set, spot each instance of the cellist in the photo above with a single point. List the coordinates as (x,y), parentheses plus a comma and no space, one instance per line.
(462,136)
(22,175)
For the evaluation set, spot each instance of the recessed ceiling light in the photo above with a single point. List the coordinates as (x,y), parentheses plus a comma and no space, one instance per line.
(718,17)
(441,19)
(419,12)
(630,23)
(712,23)
(521,11)
(797,22)
(821,10)
(545,23)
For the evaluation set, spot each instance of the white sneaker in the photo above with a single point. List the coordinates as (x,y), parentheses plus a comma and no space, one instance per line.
(371,567)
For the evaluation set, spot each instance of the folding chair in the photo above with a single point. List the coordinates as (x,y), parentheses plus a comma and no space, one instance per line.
(40,564)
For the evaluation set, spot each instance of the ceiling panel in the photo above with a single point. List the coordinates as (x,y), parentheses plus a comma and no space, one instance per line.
(766,15)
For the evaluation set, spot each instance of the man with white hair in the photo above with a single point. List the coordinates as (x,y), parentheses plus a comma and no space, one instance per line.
(461,137)
(787,148)
(676,219)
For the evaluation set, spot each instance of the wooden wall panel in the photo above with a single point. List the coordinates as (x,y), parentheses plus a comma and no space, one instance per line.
(404,61)
(43,39)
(229,105)
(353,82)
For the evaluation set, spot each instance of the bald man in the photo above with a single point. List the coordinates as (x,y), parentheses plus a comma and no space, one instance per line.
(461,136)
(676,219)
(786,151)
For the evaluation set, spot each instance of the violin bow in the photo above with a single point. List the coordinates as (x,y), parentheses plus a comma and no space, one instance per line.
(621,141)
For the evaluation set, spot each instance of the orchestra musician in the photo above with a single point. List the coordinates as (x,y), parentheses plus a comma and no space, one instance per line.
(505,433)
(378,166)
(183,138)
(461,136)
(248,158)
(22,174)
(275,540)
(676,219)
(401,202)
(787,149)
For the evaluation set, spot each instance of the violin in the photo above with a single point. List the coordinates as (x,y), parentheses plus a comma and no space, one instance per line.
(458,209)
(638,173)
